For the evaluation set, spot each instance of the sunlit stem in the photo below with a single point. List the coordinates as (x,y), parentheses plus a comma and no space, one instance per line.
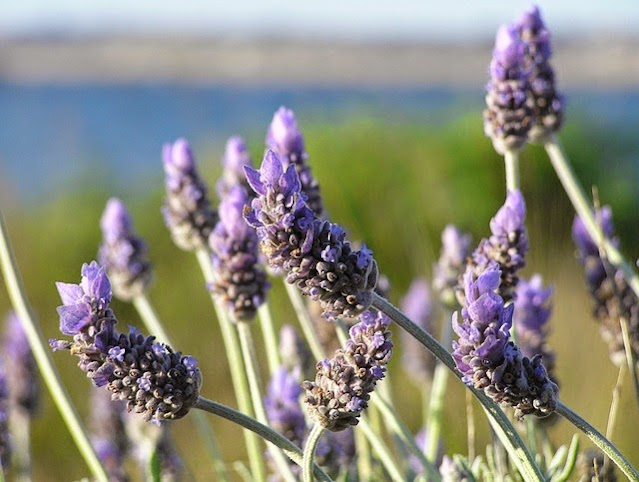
(309,451)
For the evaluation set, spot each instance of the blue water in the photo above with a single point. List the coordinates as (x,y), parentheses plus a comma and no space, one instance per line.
(49,134)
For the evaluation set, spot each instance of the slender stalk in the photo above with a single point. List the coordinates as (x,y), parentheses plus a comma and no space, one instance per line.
(270,338)
(599,440)
(263,431)
(255,387)
(309,451)
(43,356)
(20,428)
(531,433)
(236,366)
(470,425)
(306,322)
(363,451)
(438,389)
(382,451)
(614,408)
(154,326)
(631,358)
(511,160)
(583,208)
(1,473)
(504,429)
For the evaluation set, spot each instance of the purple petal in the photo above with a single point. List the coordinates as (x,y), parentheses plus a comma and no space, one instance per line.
(70,293)
(74,318)
(271,168)
(253,178)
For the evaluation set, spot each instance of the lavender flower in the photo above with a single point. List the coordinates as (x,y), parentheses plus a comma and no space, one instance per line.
(336,452)
(343,384)
(285,138)
(455,470)
(187,210)
(294,350)
(508,118)
(23,379)
(236,156)
(122,253)
(240,281)
(488,359)
(544,100)
(171,465)
(313,253)
(532,311)
(282,405)
(418,306)
(108,434)
(5,443)
(152,378)
(604,289)
(451,263)
(421,440)
(507,245)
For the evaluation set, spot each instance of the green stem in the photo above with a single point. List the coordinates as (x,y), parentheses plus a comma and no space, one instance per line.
(255,387)
(309,451)
(270,338)
(43,357)
(511,160)
(614,403)
(154,326)
(599,440)
(20,424)
(263,431)
(440,379)
(382,451)
(236,366)
(583,208)
(363,451)
(631,357)
(505,430)
(470,425)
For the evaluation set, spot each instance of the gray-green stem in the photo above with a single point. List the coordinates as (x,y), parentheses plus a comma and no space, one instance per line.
(20,428)
(511,161)
(154,326)
(236,366)
(270,338)
(505,430)
(263,431)
(309,451)
(42,355)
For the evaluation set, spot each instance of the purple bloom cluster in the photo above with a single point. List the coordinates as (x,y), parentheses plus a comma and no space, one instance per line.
(236,157)
(240,280)
(418,305)
(313,253)
(546,103)
(451,263)
(507,245)
(285,138)
(22,372)
(488,359)
(282,405)
(152,378)
(108,434)
(122,253)
(5,443)
(187,210)
(604,288)
(532,311)
(343,384)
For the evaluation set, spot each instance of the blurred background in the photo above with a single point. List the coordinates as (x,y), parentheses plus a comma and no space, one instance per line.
(388,95)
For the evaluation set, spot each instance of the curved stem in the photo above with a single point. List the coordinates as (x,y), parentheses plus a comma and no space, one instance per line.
(154,326)
(309,451)
(600,441)
(267,433)
(43,357)
(505,430)
(511,160)
(236,366)
(270,338)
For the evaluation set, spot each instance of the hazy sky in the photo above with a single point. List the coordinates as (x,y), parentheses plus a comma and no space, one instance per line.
(343,19)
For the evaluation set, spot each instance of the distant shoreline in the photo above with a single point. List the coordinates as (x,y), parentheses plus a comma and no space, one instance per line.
(593,63)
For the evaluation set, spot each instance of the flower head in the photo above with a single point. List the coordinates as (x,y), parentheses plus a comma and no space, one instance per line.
(236,156)
(122,253)
(313,253)
(285,138)
(451,263)
(22,372)
(240,280)
(187,210)
(282,405)
(159,383)
(343,384)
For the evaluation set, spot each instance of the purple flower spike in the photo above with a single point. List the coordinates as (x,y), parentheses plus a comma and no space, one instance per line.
(236,157)
(5,443)
(604,288)
(488,359)
(160,384)
(240,280)
(108,434)
(285,138)
(419,307)
(451,263)
(122,253)
(23,378)
(343,384)
(283,407)
(187,210)
(313,253)
(507,246)
(508,118)
(544,100)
